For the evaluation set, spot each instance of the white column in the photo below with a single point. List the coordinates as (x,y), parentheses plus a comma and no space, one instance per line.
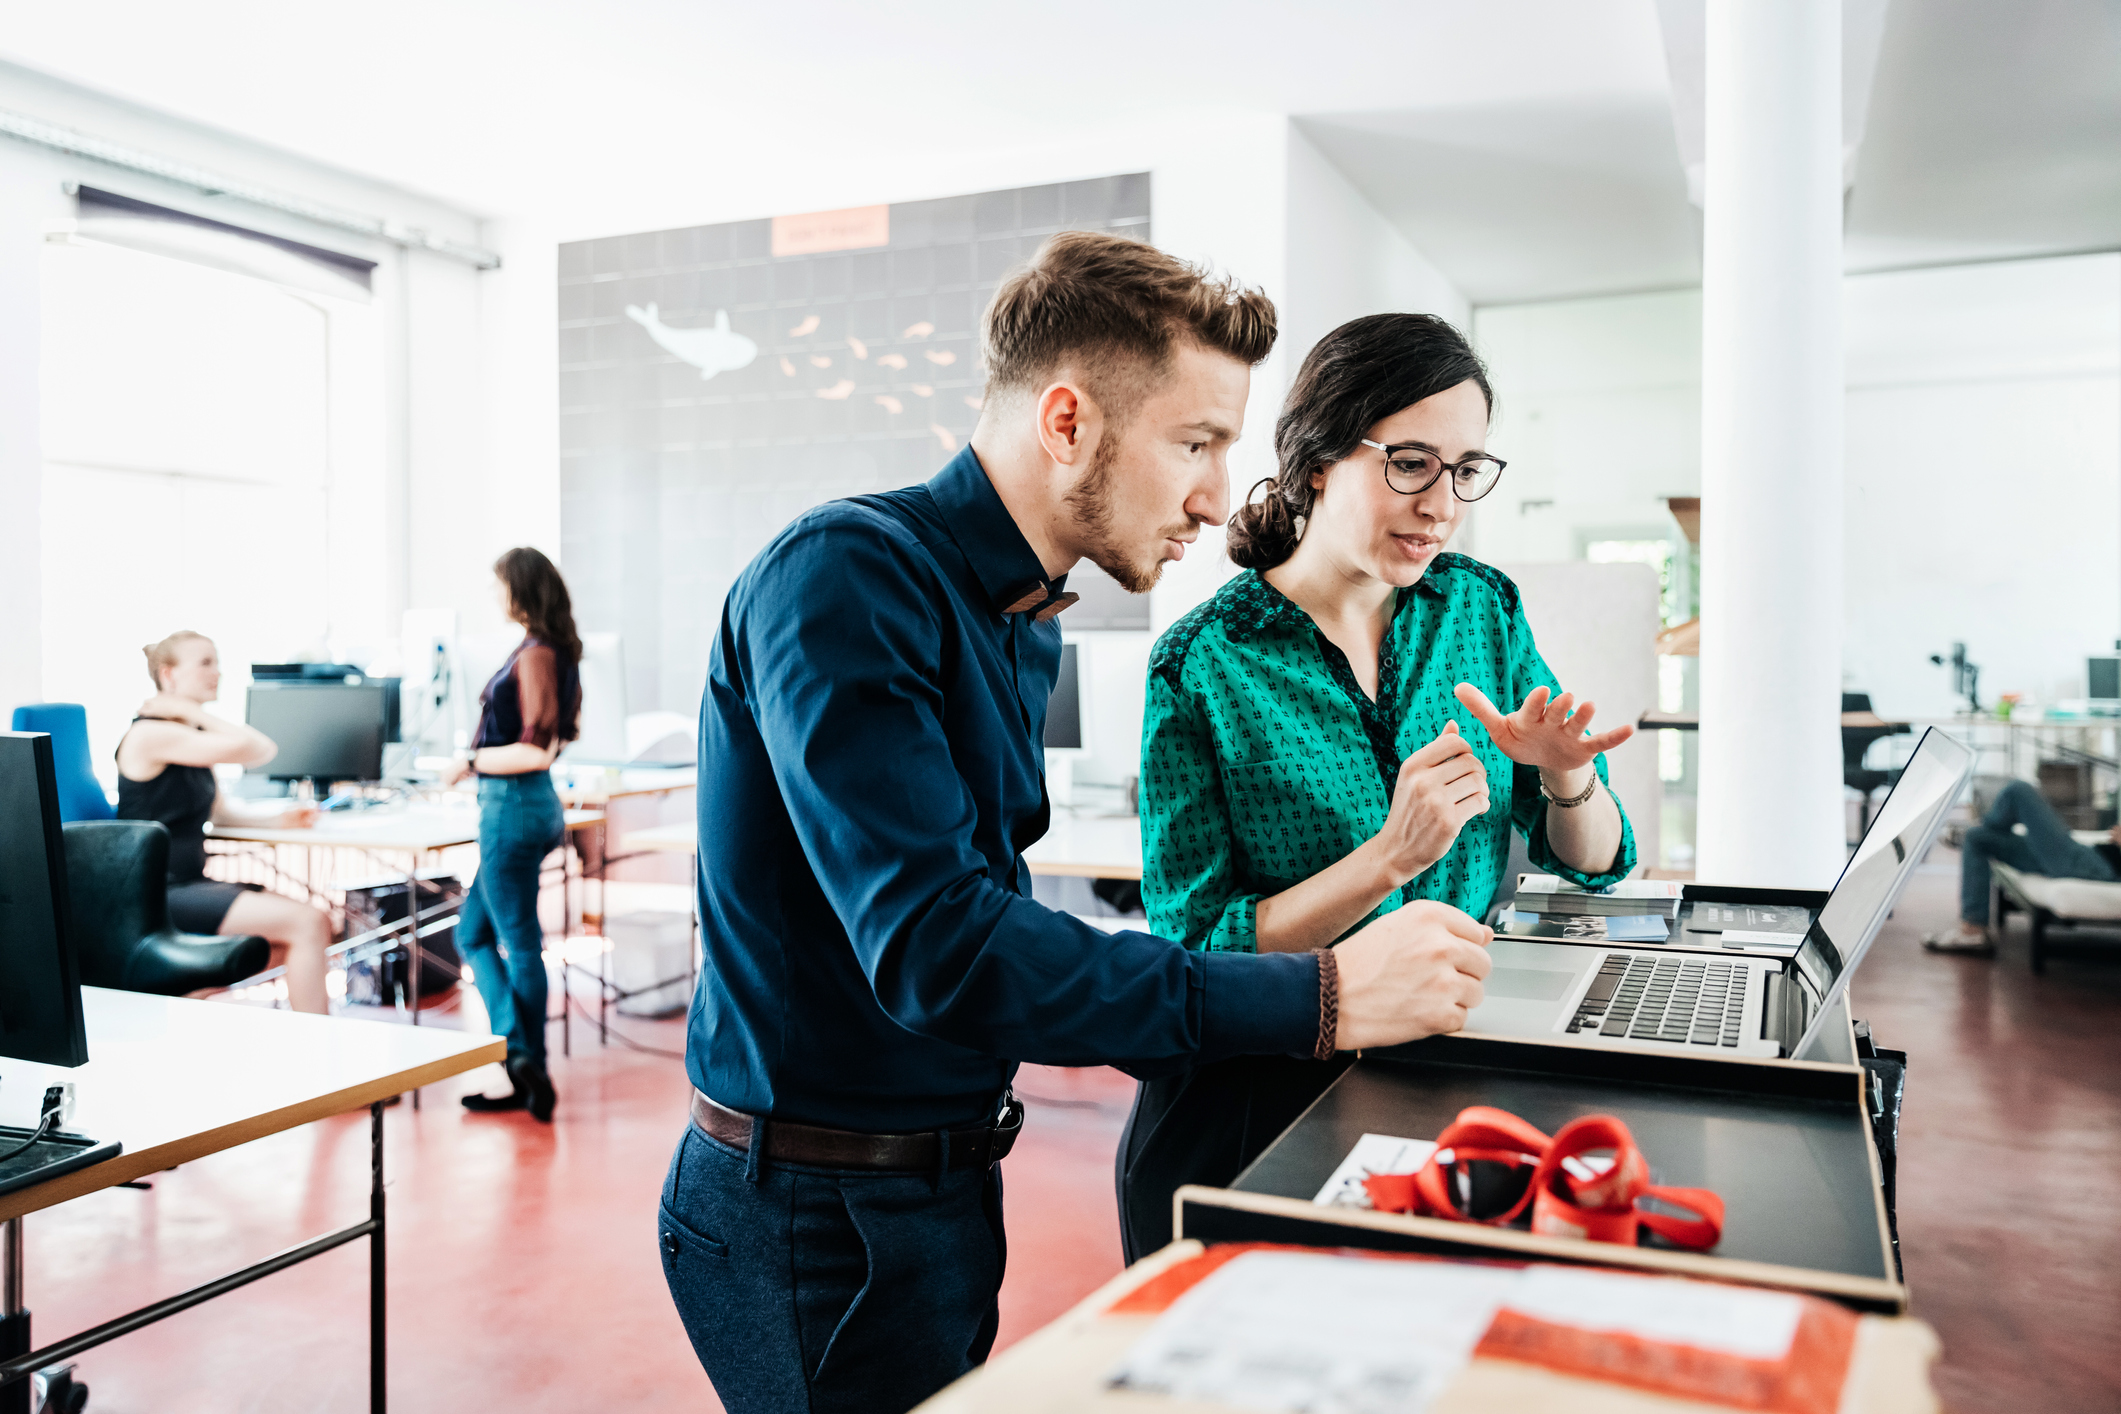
(30,196)
(1770,808)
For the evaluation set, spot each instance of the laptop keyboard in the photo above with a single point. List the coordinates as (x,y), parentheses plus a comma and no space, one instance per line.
(1695,1000)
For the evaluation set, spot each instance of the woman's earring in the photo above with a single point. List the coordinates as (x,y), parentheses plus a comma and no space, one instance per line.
(1301,522)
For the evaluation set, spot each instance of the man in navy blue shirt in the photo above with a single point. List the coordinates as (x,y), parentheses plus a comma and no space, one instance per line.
(870,774)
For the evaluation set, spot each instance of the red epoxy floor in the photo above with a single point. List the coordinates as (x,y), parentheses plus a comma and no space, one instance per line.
(523,1267)
(524,1274)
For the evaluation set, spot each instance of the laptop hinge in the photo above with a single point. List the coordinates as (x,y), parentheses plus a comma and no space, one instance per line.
(1782,1015)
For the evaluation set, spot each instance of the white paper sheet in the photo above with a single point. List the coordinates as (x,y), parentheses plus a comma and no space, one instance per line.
(1292,1331)
(1753,1325)
(1373,1153)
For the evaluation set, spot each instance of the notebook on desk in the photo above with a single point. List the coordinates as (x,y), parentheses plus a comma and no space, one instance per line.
(1740,1003)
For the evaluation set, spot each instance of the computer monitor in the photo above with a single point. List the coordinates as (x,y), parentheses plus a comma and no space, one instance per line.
(337,675)
(1064,710)
(325,731)
(2103,677)
(40,981)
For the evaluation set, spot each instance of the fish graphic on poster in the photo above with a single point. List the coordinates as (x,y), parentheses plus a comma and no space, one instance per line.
(711,350)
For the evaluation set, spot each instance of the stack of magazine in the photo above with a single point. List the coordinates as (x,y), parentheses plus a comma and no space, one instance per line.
(1633,911)
(1548,893)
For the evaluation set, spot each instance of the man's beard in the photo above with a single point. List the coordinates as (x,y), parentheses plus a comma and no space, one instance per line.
(1091,502)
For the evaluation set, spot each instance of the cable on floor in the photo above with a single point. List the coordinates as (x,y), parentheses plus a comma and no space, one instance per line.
(619,1036)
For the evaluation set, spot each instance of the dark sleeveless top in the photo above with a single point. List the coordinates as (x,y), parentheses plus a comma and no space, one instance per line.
(182,798)
(535,696)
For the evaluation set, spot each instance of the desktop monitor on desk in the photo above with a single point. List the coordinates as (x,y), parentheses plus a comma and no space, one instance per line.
(325,731)
(2103,678)
(40,980)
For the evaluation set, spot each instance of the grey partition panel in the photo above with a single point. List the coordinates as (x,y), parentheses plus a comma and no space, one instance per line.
(711,391)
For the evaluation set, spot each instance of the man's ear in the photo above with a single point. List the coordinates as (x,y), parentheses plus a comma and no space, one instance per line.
(1068,421)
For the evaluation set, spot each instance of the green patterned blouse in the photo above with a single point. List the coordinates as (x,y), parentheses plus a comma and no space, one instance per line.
(1263,761)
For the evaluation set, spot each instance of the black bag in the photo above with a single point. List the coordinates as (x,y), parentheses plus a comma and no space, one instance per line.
(383,977)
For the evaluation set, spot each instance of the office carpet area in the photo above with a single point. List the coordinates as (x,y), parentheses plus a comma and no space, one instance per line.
(524,1274)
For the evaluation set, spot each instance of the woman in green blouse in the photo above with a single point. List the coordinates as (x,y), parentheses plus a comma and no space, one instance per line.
(1322,743)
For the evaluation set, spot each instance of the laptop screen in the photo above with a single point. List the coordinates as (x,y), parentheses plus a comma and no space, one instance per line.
(1898,837)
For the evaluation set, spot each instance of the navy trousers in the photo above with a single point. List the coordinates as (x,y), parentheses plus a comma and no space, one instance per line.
(2044,848)
(830,1291)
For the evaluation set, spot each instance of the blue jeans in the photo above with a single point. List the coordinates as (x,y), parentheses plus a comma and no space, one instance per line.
(816,1291)
(520,822)
(2044,848)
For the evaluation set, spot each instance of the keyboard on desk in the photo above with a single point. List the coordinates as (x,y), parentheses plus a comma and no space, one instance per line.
(1687,999)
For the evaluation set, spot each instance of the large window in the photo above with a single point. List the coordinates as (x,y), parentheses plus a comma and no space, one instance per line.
(190,470)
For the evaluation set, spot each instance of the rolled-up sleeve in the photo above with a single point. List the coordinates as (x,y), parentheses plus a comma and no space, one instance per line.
(841,666)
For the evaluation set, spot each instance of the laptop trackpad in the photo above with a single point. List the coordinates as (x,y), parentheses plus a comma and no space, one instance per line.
(1536,984)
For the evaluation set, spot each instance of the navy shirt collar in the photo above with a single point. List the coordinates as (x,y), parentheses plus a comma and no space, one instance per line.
(1001,558)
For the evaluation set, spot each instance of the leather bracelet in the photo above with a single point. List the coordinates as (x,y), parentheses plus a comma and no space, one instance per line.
(1569,802)
(1328,1005)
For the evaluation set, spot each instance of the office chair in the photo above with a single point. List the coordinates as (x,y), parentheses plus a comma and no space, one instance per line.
(1855,745)
(81,795)
(117,876)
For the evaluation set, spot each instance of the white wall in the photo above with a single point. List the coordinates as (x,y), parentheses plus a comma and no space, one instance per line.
(414,396)
(1346,260)
(1598,414)
(1984,477)
(1983,489)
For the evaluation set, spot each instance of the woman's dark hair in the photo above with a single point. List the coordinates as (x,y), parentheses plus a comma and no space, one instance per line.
(540,600)
(1357,376)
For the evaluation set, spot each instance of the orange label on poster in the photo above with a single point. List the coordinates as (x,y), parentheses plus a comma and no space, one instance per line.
(813,232)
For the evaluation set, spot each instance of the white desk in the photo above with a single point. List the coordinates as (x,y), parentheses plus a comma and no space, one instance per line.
(415,832)
(679,837)
(415,829)
(1089,847)
(175,1080)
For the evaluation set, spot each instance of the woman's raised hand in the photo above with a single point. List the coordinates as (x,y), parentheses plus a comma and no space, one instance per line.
(170,707)
(1552,733)
(1440,787)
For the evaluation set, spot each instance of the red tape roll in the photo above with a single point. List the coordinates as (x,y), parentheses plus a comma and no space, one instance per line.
(1566,1200)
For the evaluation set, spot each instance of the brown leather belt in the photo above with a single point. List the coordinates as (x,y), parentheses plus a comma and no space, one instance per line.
(789,1143)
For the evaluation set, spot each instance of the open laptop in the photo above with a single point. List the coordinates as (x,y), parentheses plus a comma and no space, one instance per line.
(1733,1003)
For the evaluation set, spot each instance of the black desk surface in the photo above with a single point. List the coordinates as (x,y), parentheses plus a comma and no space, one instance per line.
(1794,1171)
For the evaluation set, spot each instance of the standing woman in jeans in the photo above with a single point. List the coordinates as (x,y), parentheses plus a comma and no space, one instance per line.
(529,710)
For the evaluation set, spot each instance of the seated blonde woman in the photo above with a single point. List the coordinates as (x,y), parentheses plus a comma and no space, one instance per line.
(165,773)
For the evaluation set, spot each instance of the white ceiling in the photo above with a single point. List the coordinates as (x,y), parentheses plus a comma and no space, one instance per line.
(1994,130)
(1525,145)
(522,106)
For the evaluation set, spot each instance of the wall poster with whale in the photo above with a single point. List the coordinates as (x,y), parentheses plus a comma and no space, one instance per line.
(717,381)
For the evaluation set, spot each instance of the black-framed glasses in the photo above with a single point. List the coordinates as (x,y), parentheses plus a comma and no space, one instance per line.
(1411,470)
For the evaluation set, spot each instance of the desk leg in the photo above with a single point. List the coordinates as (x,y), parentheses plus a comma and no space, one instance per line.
(14,1316)
(414,964)
(377,1397)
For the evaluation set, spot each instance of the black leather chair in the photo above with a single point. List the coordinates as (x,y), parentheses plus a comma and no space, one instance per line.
(116,874)
(1855,745)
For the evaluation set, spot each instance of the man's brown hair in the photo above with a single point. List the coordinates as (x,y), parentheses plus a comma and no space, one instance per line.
(1114,309)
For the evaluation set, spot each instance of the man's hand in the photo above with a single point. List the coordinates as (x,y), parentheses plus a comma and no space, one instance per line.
(1414,972)
(1543,733)
(1440,787)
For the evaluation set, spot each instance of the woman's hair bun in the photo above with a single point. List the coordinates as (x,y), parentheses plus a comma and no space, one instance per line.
(1263,532)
